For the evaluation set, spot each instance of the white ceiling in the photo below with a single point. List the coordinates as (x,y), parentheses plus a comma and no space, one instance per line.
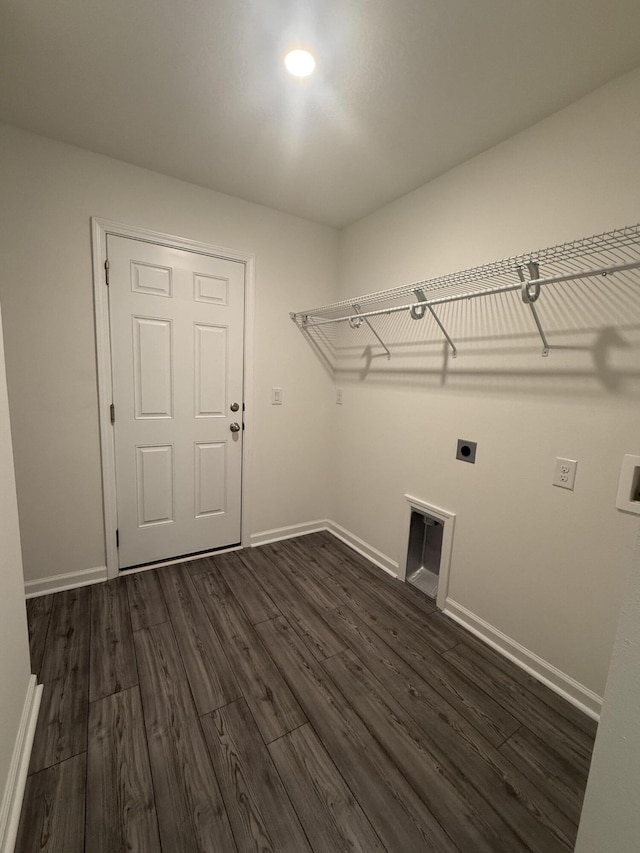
(404,89)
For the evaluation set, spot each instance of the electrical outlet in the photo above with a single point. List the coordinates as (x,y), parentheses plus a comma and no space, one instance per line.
(276,396)
(339,396)
(564,474)
(466,451)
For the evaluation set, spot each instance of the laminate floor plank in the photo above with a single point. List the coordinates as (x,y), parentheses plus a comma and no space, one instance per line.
(328,811)
(310,556)
(562,783)
(274,707)
(191,813)
(342,713)
(320,546)
(38,616)
(205,564)
(261,814)
(301,614)
(350,563)
(285,557)
(113,662)
(483,712)
(397,814)
(52,819)
(432,630)
(67,648)
(210,676)
(455,790)
(453,739)
(121,813)
(211,585)
(567,741)
(251,595)
(222,576)
(558,705)
(146,602)
(61,730)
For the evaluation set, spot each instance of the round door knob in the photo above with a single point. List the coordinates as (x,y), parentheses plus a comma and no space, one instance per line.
(234,407)
(235,427)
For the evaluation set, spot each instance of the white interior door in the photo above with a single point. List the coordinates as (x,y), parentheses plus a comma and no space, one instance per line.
(177,344)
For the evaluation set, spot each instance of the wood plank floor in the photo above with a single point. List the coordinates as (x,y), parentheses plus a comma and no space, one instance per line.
(290,697)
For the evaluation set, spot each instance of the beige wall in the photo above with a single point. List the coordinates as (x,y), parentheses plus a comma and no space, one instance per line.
(610,817)
(49,193)
(14,648)
(543,565)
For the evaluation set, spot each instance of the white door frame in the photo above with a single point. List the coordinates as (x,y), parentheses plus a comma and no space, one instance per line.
(100,229)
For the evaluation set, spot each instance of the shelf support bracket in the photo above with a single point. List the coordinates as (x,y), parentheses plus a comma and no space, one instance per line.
(418,311)
(530,291)
(303,319)
(358,322)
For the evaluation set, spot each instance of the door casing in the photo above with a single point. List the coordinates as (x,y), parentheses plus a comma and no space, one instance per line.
(100,228)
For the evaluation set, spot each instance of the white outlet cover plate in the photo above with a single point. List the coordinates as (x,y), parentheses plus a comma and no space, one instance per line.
(564,474)
(625,500)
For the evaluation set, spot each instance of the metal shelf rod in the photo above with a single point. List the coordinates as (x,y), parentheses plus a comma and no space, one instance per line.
(382,343)
(303,317)
(543,337)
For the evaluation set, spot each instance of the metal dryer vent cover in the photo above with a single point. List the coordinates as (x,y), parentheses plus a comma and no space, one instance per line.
(466,451)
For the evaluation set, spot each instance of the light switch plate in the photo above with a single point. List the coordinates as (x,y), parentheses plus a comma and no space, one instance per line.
(564,474)
(276,396)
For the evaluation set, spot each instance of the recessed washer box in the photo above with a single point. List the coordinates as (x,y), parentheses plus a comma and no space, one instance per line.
(628,498)
(426,550)
(466,451)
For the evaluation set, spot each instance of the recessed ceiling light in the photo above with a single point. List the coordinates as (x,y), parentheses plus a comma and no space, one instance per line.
(300,63)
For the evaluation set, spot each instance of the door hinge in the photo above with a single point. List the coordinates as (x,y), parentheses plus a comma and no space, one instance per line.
(117,538)
(106,272)
(112,413)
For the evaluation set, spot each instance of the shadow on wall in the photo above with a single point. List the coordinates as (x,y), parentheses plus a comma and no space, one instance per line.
(593,332)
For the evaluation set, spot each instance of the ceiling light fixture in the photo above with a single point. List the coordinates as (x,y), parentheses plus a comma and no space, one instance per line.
(300,63)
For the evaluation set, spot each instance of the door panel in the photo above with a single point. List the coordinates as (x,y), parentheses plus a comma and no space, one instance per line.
(154,485)
(152,368)
(177,328)
(211,347)
(211,478)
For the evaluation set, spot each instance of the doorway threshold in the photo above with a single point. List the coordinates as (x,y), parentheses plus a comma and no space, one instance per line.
(184,558)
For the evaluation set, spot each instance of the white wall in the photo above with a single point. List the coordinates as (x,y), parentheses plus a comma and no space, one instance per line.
(49,192)
(14,648)
(543,565)
(610,816)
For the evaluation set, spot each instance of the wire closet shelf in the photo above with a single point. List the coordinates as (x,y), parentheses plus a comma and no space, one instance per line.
(610,254)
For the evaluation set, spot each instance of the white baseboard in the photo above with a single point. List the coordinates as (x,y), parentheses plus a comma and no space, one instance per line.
(570,689)
(279,533)
(69,580)
(377,557)
(17,779)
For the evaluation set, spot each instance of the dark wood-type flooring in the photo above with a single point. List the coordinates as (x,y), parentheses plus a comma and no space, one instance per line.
(288,698)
